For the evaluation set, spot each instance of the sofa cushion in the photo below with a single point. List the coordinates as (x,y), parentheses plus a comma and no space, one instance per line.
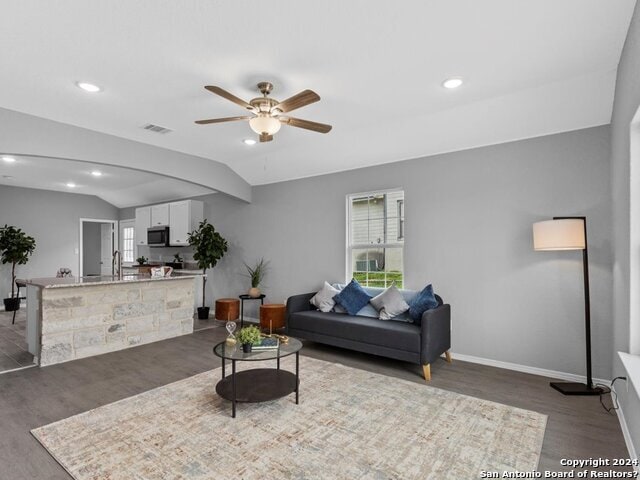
(423,301)
(352,298)
(389,303)
(323,300)
(398,335)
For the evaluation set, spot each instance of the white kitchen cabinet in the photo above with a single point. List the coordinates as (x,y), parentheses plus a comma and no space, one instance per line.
(184,217)
(160,215)
(143,222)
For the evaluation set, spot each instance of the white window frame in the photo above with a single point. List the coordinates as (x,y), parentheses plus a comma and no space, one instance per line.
(350,247)
(129,223)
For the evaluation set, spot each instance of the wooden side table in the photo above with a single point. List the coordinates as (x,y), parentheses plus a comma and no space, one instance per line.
(227,309)
(272,316)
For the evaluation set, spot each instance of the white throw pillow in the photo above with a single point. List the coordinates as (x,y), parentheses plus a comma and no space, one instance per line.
(389,303)
(323,300)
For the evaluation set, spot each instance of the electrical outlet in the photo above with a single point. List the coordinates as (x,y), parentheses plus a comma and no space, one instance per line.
(76,251)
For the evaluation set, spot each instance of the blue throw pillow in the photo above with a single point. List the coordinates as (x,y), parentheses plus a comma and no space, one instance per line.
(352,298)
(423,301)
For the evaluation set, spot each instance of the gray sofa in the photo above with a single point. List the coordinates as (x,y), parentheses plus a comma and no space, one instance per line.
(387,338)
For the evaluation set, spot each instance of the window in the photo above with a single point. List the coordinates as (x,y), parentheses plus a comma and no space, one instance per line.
(375,246)
(127,241)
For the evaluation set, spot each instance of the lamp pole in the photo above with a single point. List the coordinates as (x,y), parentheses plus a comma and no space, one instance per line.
(570,388)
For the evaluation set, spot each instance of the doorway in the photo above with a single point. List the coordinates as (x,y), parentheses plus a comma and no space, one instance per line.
(98,242)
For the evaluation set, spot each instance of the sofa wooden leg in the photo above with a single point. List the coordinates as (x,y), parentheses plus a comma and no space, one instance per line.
(447,356)
(426,369)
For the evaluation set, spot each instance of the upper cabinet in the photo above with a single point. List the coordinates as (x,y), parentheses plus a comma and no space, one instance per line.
(184,218)
(160,215)
(143,222)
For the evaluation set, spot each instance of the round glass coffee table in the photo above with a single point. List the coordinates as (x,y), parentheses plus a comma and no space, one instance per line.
(257,384)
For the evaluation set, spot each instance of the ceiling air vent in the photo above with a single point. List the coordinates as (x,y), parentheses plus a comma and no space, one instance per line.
(156,128)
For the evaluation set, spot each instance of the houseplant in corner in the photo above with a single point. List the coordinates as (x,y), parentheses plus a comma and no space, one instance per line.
(248,337)
(15,248)
(256,274)
(208,247)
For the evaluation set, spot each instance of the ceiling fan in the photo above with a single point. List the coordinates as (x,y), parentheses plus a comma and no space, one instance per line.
(267,112)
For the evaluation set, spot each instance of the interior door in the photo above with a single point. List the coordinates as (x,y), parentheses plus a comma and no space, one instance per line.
(106,248)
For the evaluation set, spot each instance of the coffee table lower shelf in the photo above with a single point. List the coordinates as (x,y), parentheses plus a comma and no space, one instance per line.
(257,385)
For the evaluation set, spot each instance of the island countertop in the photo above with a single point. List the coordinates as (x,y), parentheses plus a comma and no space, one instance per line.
(55,282)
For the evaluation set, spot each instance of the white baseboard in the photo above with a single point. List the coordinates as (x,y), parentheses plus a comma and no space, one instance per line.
(627,436)
(525,368)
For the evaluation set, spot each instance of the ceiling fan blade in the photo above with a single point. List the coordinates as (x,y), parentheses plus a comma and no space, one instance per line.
(265,138)
(221,120)
(306,124)
(229,96)
(299,100)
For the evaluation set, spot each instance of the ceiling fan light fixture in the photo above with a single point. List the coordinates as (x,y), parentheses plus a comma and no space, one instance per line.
(264,123)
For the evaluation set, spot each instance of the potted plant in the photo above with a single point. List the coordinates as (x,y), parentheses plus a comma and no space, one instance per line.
(142,260)
(248,337)
(16,247)
(208,247)
(256,274)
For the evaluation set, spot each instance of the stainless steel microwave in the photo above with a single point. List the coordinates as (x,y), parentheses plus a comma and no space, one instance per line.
(158,237)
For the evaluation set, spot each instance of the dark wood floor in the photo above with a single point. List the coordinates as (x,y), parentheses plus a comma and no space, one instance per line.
(13,343)
(578,427)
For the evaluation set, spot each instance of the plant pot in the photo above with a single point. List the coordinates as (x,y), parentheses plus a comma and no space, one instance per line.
(246,347)
(11,304)
(254,292)
(203,313)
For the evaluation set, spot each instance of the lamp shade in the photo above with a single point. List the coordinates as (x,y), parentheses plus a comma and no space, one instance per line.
(264,124)
(561,234)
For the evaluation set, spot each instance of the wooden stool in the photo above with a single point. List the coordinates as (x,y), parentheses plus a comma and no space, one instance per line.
(272,316)
(227,309)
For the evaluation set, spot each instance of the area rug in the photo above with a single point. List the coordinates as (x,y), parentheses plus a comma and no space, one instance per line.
(350,424)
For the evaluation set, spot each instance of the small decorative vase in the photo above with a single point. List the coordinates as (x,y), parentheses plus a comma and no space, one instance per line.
(246,347)
(254,292)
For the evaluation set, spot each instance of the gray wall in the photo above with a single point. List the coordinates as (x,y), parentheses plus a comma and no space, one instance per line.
(91,248)
(53,219)
(60,140)
(626,103)
(468,231)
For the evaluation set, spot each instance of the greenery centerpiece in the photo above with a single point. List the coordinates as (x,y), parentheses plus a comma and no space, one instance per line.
(208,247)
(249,336)
(256,274)
(142,260)
(15,248)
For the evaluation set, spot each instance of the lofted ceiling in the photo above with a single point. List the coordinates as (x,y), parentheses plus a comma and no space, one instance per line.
(530,68)
(121,187)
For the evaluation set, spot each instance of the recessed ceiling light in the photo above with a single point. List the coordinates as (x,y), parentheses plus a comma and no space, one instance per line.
(8,159)
(96,173)
(249,141)
(88,87)
(7,177)
(452,83)
(71,185)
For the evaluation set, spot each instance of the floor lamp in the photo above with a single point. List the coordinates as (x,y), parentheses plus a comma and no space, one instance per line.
(570,233)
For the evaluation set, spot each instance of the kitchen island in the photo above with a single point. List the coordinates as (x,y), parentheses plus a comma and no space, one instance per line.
(70,318)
